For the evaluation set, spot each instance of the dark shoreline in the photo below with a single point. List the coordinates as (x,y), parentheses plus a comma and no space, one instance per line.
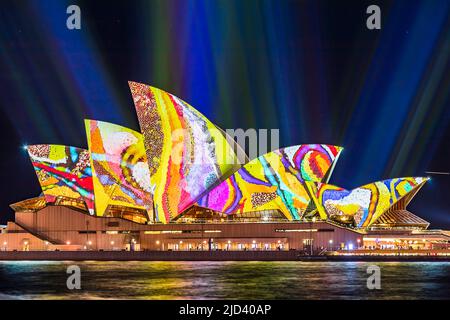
(201,256)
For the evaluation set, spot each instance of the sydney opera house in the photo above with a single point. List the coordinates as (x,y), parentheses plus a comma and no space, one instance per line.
(183,184)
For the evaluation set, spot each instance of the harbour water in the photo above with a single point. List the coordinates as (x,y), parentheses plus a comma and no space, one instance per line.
(224,280)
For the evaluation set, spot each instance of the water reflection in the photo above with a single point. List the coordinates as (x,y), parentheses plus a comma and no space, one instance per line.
(224,280)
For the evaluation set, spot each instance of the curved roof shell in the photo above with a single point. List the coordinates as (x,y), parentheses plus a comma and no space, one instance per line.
(119,167)
(365,204)
(187,154)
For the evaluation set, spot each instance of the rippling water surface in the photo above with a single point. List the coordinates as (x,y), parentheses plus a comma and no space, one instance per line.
(224,280)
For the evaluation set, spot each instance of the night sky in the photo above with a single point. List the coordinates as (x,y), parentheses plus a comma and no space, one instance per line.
(310,68)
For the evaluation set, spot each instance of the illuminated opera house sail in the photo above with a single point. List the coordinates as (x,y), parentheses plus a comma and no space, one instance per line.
(181,171)
(63,172)
(363,206)
(274,181)
(186,152)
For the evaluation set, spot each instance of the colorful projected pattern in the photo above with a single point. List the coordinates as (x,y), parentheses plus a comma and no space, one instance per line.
(63,171)
(119,167)
(274,181)
(186,153)
(364,204)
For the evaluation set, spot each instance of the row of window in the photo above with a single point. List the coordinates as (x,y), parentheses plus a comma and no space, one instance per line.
(180,231)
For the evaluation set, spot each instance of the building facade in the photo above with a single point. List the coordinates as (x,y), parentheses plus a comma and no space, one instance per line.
(183,184)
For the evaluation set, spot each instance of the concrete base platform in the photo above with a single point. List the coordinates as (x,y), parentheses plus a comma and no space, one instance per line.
(290,255)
